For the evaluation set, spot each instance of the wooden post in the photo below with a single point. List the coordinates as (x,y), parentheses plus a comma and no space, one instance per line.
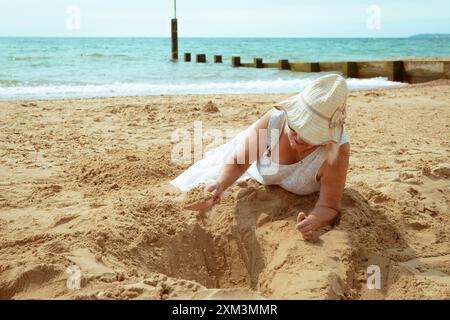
(236,61)
(315,67)
(398,71)
(284,64)
(351,70)
(187,57)
(446,70)
(201,58)
(174,39)
(394,70)
(217,59)
(446,74)
(258,62)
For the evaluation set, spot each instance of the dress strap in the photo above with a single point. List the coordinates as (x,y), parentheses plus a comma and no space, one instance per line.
(276,122)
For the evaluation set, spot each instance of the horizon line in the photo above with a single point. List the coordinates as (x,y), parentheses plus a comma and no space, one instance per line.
(231,37)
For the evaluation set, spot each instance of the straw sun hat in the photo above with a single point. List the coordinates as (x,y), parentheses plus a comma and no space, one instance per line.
(317,114)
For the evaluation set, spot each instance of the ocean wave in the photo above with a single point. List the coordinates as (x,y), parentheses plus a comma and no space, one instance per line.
(9,83)
(103,55)
(28,58)
(139,89)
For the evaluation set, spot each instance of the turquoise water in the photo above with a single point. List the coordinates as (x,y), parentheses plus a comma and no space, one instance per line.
(87,67)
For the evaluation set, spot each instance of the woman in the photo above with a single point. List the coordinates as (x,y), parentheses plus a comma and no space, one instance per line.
(301,145)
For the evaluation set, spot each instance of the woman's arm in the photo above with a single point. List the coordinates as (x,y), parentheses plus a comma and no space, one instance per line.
(239,162)
(331,191)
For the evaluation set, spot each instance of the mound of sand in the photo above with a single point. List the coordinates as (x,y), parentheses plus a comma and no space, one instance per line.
(210,107)
(85,186)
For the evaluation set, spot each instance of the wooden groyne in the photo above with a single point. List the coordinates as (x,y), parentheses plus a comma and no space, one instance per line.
(403,70)
(406,70)
(411,71)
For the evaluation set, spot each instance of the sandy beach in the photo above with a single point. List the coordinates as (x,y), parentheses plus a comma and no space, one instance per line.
(86,183)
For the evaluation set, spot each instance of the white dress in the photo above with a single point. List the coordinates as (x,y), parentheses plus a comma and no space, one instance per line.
(298,178)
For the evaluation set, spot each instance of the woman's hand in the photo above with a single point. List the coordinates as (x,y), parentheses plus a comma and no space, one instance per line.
(216,194)
(216,191)
(306,225)
(318,218)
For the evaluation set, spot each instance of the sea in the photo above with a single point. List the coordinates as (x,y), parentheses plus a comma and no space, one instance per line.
(52,68)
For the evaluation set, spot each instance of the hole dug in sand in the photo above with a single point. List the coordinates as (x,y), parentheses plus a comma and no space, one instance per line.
(247,247)
(248,244)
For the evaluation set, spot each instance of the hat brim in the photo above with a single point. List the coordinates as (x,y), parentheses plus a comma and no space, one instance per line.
(311,127)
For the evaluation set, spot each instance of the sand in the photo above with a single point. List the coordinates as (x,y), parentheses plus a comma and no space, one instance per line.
(85,184)
(196,195)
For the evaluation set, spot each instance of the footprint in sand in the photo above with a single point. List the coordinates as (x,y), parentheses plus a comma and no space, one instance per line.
(62,219)
(442,170)
(19,282)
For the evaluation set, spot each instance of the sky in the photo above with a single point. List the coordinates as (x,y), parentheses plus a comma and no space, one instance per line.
(230,18)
